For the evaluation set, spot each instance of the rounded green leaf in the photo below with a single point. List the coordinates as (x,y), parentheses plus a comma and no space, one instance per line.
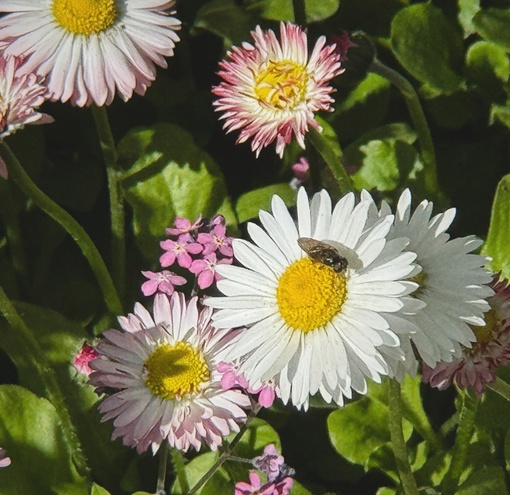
(169,176)
(428,46)
(249,204)
(494,25)
(488,66)
(31,434)
(497,246)
(316,10)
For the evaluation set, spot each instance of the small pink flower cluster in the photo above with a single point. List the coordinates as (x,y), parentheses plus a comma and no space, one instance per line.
(279,475)
(82,359)
(197,247)
(233,378)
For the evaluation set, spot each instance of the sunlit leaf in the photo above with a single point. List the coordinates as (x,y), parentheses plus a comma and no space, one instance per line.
(428,46)
(169,176)
(31,433)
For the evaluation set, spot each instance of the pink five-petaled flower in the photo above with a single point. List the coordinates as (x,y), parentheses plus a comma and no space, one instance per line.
(272,89)
(91,50)
(184,226)
(21,93)
(180,251)
(270,462)
(161,282)
(82,360)
(206,269)
(255,486)
(4,460)
(216,240)
(232,377)
(476,367)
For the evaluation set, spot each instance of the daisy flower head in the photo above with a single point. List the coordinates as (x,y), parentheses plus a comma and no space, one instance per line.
(20,95)
(452,283)
(90,49)
(316,321)
(272,89)
(476,367)
(162,369)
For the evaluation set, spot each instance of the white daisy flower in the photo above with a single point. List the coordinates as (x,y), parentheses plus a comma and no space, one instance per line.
(163,371)
(90,49)
(315,326)
(452,284)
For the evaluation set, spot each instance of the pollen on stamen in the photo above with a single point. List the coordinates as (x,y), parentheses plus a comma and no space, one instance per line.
(173,371)
(310,294)
(84,16)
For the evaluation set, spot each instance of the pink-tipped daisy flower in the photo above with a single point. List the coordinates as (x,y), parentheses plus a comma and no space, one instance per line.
(89,50)
(163,370)
(271,90)
(20,94)
(82,359)
(476,367)
(4,459)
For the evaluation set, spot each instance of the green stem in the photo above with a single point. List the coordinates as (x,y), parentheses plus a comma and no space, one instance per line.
(117,217)
(332,155)
(226,452)
(178,463)
(163,462)
(397,440)
(299,12)
(68,223)
(500,387)
(13,231)
(26,354)
(465,430)
(419,121)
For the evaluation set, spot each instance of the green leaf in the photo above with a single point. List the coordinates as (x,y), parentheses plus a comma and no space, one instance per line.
(249,204)
(31,434)
(298,489)
(487,65)
(494,25)
(226,19)
(500,113)
(467,10)
(169,176)
(363,108)
(316,10)
(385,164)
(219,483)
(486,481)
(60,339)
(428,46)
(497,246)
(98,490)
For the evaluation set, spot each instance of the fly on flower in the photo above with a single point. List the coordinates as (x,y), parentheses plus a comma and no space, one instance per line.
(323,253)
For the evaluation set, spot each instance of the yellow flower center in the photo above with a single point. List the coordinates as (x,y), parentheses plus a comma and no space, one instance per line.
(420,280)
(485,334)
(85,16)
(173,371)
(310,294)
(282,84)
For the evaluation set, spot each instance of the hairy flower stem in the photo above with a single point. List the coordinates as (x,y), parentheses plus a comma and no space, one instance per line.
(117,216)
(178,464)
(26,354)
(299,12)
(68,223)
(225,454)
(332,155)
(500,387)
(419,121)
(465,430)
(397,440)
(13,230)
(163,462)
